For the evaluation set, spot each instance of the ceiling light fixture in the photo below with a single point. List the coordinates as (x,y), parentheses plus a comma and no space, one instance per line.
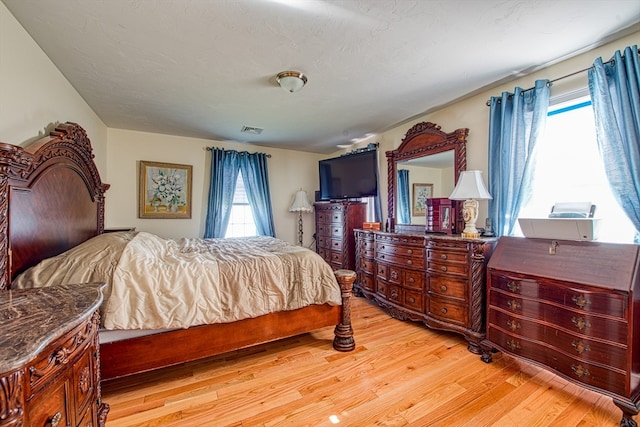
(291,81)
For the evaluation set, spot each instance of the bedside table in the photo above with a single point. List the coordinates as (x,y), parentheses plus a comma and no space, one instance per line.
(49,363)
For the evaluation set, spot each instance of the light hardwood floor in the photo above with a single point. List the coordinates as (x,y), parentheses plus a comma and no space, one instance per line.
(400,374)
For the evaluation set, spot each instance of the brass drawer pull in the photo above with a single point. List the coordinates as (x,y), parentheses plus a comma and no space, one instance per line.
(55,420)
(514,325)
(513,345)
(411,280)
(443,268)
(443,310)
(580,300)
(394,294)
(514,305)
(443,256)
(409,251)
(443,288)
(580,371)
(580,346)
(412,300)
(580,323)
(409,262)
(513,287)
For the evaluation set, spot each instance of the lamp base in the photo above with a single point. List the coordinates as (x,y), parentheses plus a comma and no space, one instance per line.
(470,214)
(470,235)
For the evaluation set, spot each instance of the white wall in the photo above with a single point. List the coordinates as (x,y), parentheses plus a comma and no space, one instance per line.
(473,112)
(35,96)
(288,172)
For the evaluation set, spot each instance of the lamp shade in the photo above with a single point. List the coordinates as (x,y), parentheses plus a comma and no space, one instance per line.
(291,81)
(470,186)
(300,202)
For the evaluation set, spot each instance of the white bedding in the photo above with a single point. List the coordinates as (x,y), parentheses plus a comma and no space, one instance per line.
(156,283)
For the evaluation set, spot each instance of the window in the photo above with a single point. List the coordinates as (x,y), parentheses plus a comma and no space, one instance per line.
(569,169)
(241,223)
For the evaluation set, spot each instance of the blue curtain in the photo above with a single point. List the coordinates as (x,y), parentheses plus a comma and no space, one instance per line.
(516,123)
(404,212)
(615,94)
(225,166)
(256,182)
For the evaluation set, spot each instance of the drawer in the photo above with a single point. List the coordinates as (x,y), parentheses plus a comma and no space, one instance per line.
(574,345)
(448,286)
(53,360)
(336,231)
(368,266)
(414,280)
(395,293)
(456,269)
(322,217)
(448,310)
(334,244)
(52,402)
(602,377)
(409,262)
(323,241)
(594,300)
(335,257)
(83,382)
(335,216)
(367,282)
(574,321)
(461,257)
(382,271)
(413,300)
(323,229)
(405,251)
(381,288)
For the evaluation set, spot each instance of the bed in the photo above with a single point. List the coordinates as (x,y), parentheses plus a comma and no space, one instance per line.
(52,201)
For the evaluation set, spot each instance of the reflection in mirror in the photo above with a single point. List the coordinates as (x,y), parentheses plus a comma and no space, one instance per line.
(435,169)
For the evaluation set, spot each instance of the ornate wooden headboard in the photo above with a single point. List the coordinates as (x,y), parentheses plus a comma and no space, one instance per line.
(51,199)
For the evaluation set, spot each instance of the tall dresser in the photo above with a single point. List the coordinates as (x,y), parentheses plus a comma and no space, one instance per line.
(571,307)
(49,362)
(335,222)
(436,279)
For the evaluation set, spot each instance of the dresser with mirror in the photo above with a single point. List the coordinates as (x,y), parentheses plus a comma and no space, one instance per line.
(420,270)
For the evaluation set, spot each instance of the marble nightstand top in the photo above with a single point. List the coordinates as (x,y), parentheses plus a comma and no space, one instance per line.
(30,319)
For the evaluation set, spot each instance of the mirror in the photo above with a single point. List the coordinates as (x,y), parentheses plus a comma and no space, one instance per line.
(434,160)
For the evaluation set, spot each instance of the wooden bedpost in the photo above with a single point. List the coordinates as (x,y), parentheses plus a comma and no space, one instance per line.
(343,340)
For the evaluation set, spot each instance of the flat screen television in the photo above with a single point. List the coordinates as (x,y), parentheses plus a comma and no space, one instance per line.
(350,176)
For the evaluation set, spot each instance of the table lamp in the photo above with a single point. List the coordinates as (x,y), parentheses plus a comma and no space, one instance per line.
(470,188)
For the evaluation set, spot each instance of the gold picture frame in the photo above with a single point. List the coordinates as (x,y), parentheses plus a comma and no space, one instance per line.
(421,192)
(164,190)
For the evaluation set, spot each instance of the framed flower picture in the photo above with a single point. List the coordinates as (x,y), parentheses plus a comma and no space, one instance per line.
(164,190)
(421,192)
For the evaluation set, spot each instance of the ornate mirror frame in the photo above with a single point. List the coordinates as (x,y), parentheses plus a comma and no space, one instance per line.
(421,140)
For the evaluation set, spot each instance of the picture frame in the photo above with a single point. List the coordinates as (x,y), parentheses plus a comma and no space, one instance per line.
(164,190)
(421,192)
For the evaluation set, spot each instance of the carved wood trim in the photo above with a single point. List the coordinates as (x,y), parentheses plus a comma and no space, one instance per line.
(67,146)
(421,140)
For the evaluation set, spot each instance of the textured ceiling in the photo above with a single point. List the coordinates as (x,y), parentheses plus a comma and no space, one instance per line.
(205,69)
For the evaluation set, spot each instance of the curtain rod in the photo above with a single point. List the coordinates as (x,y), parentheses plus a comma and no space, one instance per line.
(611,61)
(241,152)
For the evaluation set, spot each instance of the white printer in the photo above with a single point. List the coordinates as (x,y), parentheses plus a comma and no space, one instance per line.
(567,221)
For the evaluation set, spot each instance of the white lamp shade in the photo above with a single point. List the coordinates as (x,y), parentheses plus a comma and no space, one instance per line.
(470,186)
(301,202)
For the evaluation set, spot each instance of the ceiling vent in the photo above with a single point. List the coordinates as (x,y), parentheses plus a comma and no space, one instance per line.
(252,129)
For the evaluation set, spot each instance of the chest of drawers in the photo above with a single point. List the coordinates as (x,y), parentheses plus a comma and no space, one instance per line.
(335,224)
(436,279)
(571,307)
(49,366)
